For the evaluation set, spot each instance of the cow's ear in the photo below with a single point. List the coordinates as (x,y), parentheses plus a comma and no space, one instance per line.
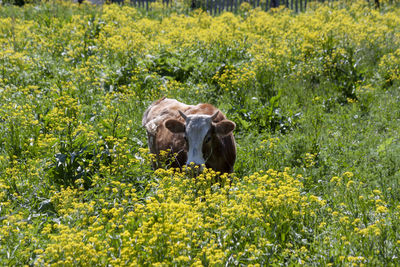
(224,127)
(175,126)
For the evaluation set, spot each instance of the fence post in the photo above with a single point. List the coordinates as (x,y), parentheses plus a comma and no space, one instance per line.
(274,3)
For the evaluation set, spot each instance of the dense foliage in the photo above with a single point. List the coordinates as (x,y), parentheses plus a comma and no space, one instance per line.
(315,97)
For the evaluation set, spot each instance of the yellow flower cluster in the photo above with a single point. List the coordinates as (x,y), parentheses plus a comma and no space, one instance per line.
(232,79)
(389,66)
(206,219)
(63,114)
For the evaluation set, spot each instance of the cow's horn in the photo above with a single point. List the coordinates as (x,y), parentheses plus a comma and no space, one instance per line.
(214,115)
(182,114)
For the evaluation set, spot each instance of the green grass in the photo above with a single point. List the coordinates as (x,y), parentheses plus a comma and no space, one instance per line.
(315,97)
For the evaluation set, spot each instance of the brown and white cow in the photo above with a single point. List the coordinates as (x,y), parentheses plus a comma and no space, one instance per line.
(198,134)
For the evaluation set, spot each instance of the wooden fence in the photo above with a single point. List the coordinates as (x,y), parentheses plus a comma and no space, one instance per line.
(218,6)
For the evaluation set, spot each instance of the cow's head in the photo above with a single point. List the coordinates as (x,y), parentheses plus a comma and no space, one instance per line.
(201,134)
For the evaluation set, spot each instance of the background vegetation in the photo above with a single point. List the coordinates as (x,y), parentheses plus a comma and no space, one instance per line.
(315,97)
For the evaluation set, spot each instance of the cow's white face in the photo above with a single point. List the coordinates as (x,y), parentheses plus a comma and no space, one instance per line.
(199,130)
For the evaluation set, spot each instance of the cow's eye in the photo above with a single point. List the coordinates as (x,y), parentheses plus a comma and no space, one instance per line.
(208,139)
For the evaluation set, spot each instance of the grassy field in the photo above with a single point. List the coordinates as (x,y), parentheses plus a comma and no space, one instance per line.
(315,97)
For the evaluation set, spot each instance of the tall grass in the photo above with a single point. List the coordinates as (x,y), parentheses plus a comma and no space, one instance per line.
(315,97)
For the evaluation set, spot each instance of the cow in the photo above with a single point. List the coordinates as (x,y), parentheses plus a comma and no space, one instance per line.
(194,134)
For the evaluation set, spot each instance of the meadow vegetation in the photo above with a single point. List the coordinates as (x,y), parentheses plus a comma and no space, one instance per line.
(315,97)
